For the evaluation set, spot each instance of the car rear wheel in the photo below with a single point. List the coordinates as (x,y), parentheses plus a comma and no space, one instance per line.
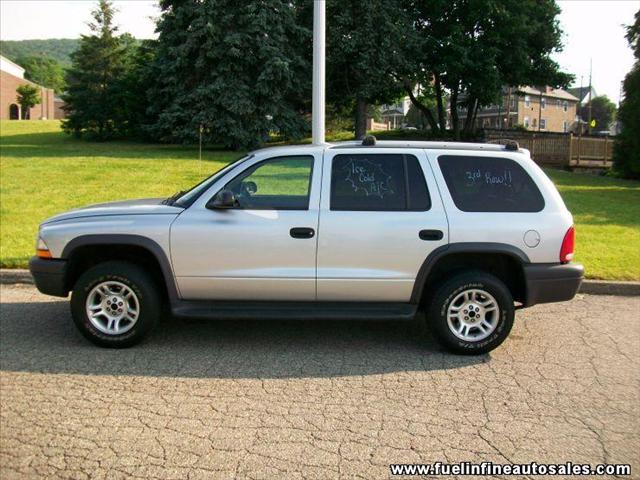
(115,304)
(471,313)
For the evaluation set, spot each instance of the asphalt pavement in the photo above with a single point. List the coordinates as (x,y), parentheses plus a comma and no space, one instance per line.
(287,399)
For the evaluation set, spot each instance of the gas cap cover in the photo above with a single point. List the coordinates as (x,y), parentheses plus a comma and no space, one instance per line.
(532,239)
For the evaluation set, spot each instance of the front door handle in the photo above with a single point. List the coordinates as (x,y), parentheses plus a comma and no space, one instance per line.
(302,232)
(431,234)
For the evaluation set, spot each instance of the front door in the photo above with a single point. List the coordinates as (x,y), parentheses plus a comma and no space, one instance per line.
(381,219)
(265,247)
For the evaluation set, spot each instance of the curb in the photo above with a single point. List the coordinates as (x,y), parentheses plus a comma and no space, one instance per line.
(608,287)
(591,287)
(12,276)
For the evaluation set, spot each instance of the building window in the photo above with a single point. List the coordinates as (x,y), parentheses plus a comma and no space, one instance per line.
(535,123)
(14,112)
(527,101)
(543,103)
(543,124)
(565,105)
(559,103)
(565,126)
(526,122)
(513,102)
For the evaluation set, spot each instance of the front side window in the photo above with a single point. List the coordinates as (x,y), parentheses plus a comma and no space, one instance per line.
(281,183)
(543,103)
(378,182)
(526,122)
(489,184)
(543,123)
(527,100)
(565,105)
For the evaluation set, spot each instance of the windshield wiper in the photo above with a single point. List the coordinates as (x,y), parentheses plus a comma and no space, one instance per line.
(172,199)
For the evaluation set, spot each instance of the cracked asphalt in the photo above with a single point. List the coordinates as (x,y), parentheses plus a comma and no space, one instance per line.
(313,399)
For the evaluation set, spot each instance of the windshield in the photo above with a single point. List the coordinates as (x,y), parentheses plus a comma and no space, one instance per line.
(187,198)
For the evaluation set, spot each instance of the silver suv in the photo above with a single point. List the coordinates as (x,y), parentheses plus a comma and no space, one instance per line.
(466,233)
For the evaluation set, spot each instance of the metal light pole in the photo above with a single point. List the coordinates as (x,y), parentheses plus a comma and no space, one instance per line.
(317,122)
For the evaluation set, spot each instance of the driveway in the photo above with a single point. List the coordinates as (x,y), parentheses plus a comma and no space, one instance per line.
(313,399)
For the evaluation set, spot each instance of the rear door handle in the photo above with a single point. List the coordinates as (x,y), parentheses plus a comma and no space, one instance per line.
(302,232)
(431,234)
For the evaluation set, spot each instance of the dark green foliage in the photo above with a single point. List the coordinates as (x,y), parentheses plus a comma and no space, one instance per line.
(469,49)
(363,42)
(236,68)
(28,96)
(58,49)
(626,154)
(44,71)
(603,111)
(96,97)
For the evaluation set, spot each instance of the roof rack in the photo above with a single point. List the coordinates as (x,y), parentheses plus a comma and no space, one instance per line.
(509,144)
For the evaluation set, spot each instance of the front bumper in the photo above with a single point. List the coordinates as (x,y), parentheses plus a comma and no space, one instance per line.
(555,282)
(49,275)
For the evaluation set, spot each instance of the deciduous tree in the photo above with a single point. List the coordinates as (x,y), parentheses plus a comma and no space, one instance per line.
(28,97)
(469,49)
(364,50)
(44,71)
(627,147)
(603,111)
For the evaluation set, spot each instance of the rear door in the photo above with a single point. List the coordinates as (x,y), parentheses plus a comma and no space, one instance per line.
(380,216)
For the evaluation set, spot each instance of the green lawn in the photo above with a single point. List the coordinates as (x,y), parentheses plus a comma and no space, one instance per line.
(44,172)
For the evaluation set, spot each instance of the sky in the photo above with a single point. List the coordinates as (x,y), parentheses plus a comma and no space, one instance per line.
(593,31)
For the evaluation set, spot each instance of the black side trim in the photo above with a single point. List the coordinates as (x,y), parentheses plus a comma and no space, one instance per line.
(126,239)
(470,247)
(49,275)
(242,310)
(552,282)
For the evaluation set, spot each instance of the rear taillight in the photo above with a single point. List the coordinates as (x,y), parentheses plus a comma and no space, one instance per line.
(568,245)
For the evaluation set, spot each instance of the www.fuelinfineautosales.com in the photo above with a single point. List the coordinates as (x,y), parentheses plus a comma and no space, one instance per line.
(490,468)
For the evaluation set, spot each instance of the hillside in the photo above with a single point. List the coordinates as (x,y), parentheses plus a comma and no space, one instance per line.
(59,49)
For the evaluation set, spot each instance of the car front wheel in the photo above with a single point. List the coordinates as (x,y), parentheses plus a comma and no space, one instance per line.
(471,313)
(115,304)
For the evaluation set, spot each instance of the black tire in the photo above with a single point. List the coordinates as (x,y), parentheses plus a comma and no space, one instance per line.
(447,293)
(136,279)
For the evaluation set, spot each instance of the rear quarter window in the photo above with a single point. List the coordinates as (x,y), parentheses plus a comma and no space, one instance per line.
(489,184)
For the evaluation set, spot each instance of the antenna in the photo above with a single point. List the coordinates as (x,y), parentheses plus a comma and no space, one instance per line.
(317,122)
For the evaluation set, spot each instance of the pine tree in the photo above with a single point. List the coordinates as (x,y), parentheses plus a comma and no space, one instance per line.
(234,68)
(93,99)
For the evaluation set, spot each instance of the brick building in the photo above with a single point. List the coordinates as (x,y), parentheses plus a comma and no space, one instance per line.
(543,109)
(11,77)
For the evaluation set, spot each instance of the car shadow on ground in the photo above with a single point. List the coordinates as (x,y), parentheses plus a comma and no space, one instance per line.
(40,337)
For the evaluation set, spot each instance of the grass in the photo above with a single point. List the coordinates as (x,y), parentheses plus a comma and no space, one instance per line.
(606,213)
(43,172)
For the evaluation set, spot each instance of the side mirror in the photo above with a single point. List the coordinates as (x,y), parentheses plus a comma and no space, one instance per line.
(222,199)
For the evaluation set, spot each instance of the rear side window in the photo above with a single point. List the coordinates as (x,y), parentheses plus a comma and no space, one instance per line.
(489,184)
(378,182)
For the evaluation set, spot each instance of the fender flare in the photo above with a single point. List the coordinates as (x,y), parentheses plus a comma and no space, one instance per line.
(128,239)
(465,247)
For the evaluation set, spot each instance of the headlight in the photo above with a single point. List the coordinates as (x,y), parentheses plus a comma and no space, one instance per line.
(42,250)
